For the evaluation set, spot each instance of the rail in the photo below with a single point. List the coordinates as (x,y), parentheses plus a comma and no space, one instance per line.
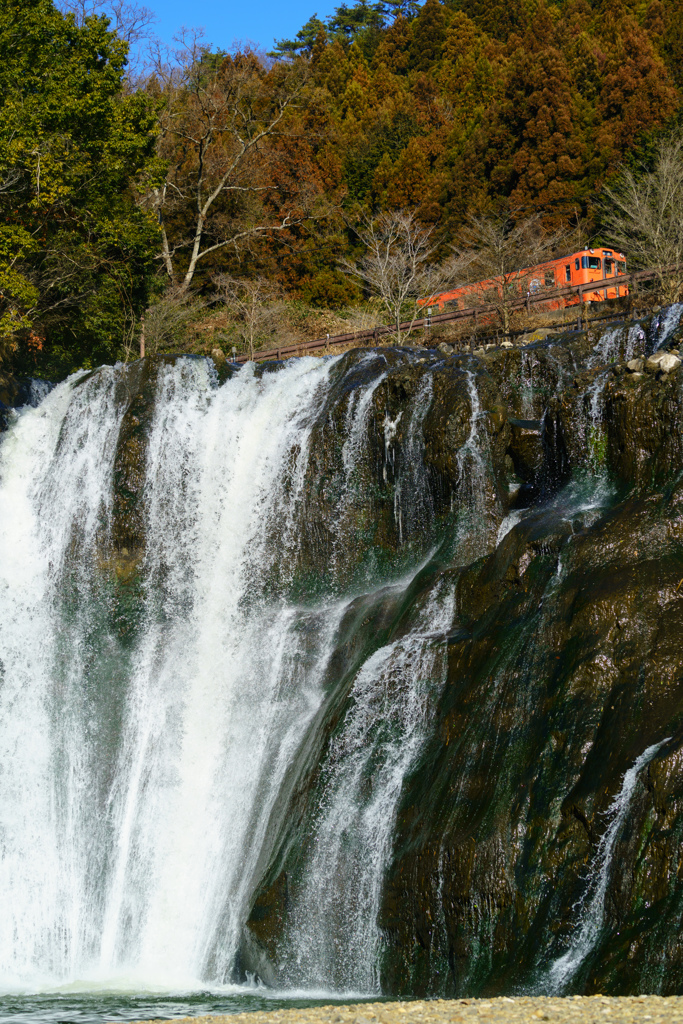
(471,313)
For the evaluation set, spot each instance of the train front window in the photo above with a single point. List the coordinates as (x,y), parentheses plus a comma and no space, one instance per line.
(621,268)
(594,263)
(609,267)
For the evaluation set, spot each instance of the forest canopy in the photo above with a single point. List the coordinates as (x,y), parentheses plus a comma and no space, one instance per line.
(117,190)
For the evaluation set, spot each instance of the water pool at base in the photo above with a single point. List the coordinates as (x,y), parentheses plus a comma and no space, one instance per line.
(78,1007)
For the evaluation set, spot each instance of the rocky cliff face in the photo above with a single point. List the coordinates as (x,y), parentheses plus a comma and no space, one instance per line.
(561,713)
(463,714)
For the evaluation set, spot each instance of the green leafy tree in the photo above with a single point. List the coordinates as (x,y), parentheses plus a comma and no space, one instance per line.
(303,42)
(76,252)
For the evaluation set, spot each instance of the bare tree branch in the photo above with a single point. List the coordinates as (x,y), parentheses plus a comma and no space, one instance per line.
(221,118)
(253,302)
(496,254)
(168,319)
(643,214)
(130,20)
(399,264)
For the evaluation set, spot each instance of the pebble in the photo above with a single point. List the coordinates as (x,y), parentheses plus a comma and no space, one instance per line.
(518,1010)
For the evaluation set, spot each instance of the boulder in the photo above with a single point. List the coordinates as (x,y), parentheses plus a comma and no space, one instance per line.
(444,348)
(540,334)
(635,365)
(664,361)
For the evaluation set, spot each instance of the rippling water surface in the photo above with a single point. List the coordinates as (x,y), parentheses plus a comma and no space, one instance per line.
(71,1006)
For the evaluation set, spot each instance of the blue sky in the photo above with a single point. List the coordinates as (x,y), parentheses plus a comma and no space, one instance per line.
(259,21)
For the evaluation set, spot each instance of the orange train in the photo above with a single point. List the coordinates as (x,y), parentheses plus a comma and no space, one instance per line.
(580,268)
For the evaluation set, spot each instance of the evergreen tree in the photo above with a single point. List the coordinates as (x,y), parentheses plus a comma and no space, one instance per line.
(429,35)
(77,253)
(304,40)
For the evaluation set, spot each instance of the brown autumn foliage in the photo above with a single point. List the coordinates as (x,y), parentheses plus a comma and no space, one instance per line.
(446,110)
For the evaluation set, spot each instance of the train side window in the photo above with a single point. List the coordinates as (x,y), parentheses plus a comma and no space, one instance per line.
(549,278)
(568,272)
(584,263)
(594,263)
(576,264)
(621,268)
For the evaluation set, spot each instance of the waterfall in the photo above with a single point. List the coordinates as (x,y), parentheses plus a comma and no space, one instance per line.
(155,700)
(334,934)
(56,469)
(139,774)
(471,463)
(618,343)
(665,323)
(526,376)
(592,905)
(412,507)
(224,686)
(354,453)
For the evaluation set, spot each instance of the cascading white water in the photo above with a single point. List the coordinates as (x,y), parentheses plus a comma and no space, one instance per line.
(618,343)
(471,465)
(56,469)
(473,460)
(412,509)
(666,323)
(138,780)
(222,691)
(334,933)
(149,722)
(592,905)
(526,376)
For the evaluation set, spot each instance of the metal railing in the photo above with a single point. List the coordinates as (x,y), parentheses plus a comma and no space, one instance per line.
(475,313)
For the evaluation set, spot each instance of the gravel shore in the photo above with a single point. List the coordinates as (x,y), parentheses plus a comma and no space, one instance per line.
(520,1010)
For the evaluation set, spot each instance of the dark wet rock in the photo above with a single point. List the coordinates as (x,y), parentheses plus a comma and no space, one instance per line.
(18,392)
(410,480)
(135,392)
(526,448)
(564,669)
(564,655)
(565,664)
